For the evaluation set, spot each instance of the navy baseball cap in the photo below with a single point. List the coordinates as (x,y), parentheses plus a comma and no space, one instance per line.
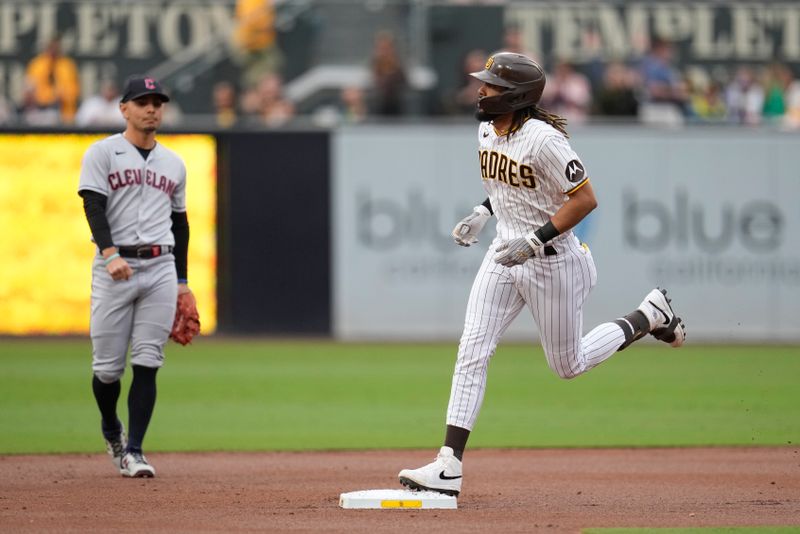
(138,85)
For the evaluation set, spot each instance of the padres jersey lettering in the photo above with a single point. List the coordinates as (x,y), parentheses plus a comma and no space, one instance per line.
(498,166)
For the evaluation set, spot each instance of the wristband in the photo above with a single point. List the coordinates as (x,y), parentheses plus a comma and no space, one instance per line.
(547,232)
(482,210)
(111,258)
(183,281)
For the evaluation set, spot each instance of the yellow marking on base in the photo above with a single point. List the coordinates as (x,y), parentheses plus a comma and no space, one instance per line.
(401,504)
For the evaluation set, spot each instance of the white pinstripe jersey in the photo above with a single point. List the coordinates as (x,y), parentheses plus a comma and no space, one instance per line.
(528,175)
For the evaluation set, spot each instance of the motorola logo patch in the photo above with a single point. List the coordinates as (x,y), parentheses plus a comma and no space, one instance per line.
(574,171)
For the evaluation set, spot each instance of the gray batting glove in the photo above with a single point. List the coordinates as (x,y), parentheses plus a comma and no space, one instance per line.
(466,232)
(517,251)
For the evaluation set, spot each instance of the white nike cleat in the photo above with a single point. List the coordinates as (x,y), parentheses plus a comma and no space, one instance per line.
(664,324)
(135,465)
(443,475)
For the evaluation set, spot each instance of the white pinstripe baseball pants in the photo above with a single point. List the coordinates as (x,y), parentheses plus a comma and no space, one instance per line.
(554,288)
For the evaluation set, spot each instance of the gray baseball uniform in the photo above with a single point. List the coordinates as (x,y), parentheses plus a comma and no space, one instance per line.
(528,176)
(142,194)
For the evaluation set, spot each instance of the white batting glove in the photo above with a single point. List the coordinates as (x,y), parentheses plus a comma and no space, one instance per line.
(517,251)
(466,232)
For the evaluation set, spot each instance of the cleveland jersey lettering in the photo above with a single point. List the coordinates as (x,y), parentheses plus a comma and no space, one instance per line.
(141,193)
(134,177)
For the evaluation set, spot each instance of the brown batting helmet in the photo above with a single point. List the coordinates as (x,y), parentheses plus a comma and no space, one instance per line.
(522,78)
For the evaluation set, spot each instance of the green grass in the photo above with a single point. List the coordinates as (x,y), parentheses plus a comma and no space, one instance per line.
(264,395)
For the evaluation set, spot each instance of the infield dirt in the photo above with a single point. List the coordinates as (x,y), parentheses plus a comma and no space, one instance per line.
(504,491)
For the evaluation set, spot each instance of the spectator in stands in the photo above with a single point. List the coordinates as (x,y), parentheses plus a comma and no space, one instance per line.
(777,79)
(707,102)
(792,98)
(664,93)
(617,94)
(353,104)
(7,115)
(350,108)
(101,109)
(52,83)
(744,97)
(256,40)
(267,102)
(513,41)
(224,102)
(568,93)
(389,82)
(465,97)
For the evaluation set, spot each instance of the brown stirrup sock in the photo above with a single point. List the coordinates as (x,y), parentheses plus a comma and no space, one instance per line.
(456,438)
(635,326)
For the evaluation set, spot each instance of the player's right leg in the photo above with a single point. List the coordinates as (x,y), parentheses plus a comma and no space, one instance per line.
(110,329)
(664,325)
(494,302)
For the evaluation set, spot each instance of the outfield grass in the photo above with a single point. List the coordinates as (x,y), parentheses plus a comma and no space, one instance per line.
(262,395)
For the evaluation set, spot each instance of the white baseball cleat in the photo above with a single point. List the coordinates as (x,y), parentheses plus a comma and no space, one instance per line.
(443,475)
(664,324)
(116,447)
(135,465)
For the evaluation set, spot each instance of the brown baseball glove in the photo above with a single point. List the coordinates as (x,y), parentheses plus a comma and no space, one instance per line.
(187,320)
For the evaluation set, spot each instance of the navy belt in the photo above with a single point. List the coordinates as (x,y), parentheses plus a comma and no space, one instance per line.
(550,250)
(144,252)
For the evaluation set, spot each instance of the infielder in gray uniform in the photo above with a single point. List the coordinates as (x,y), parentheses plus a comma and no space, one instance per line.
(539,190)
(134,196)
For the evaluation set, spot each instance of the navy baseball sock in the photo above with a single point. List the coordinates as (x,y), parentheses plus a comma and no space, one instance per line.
(141,401)
(106,396)
(456,438)
(635,326)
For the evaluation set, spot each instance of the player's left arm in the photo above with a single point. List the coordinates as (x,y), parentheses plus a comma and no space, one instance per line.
(561,161)
(180,229)
(580,204)
(187,320)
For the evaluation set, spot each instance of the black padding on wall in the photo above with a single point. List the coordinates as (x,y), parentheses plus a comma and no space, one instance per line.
(274,213)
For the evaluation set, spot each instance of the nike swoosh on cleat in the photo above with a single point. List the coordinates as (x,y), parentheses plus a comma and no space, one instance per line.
(445,477)
(666,317)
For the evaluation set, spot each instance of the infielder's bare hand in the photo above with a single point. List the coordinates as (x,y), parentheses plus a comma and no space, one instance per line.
(119,269)
(517,251)
(466,231)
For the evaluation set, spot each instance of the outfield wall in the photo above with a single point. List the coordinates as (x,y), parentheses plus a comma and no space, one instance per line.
(347,232)
(711,214)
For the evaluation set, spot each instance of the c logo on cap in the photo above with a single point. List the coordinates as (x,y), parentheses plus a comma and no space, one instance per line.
(150,83)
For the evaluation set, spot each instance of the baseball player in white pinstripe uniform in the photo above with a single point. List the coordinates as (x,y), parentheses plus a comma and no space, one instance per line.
(539,190)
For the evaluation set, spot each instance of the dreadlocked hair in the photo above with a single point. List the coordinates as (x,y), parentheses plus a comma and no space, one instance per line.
(535,112)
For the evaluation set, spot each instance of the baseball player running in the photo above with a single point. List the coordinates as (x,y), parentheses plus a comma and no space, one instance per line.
(134,197)
(539,190)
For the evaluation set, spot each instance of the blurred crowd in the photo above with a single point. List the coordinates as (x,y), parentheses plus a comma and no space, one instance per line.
(652,89)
